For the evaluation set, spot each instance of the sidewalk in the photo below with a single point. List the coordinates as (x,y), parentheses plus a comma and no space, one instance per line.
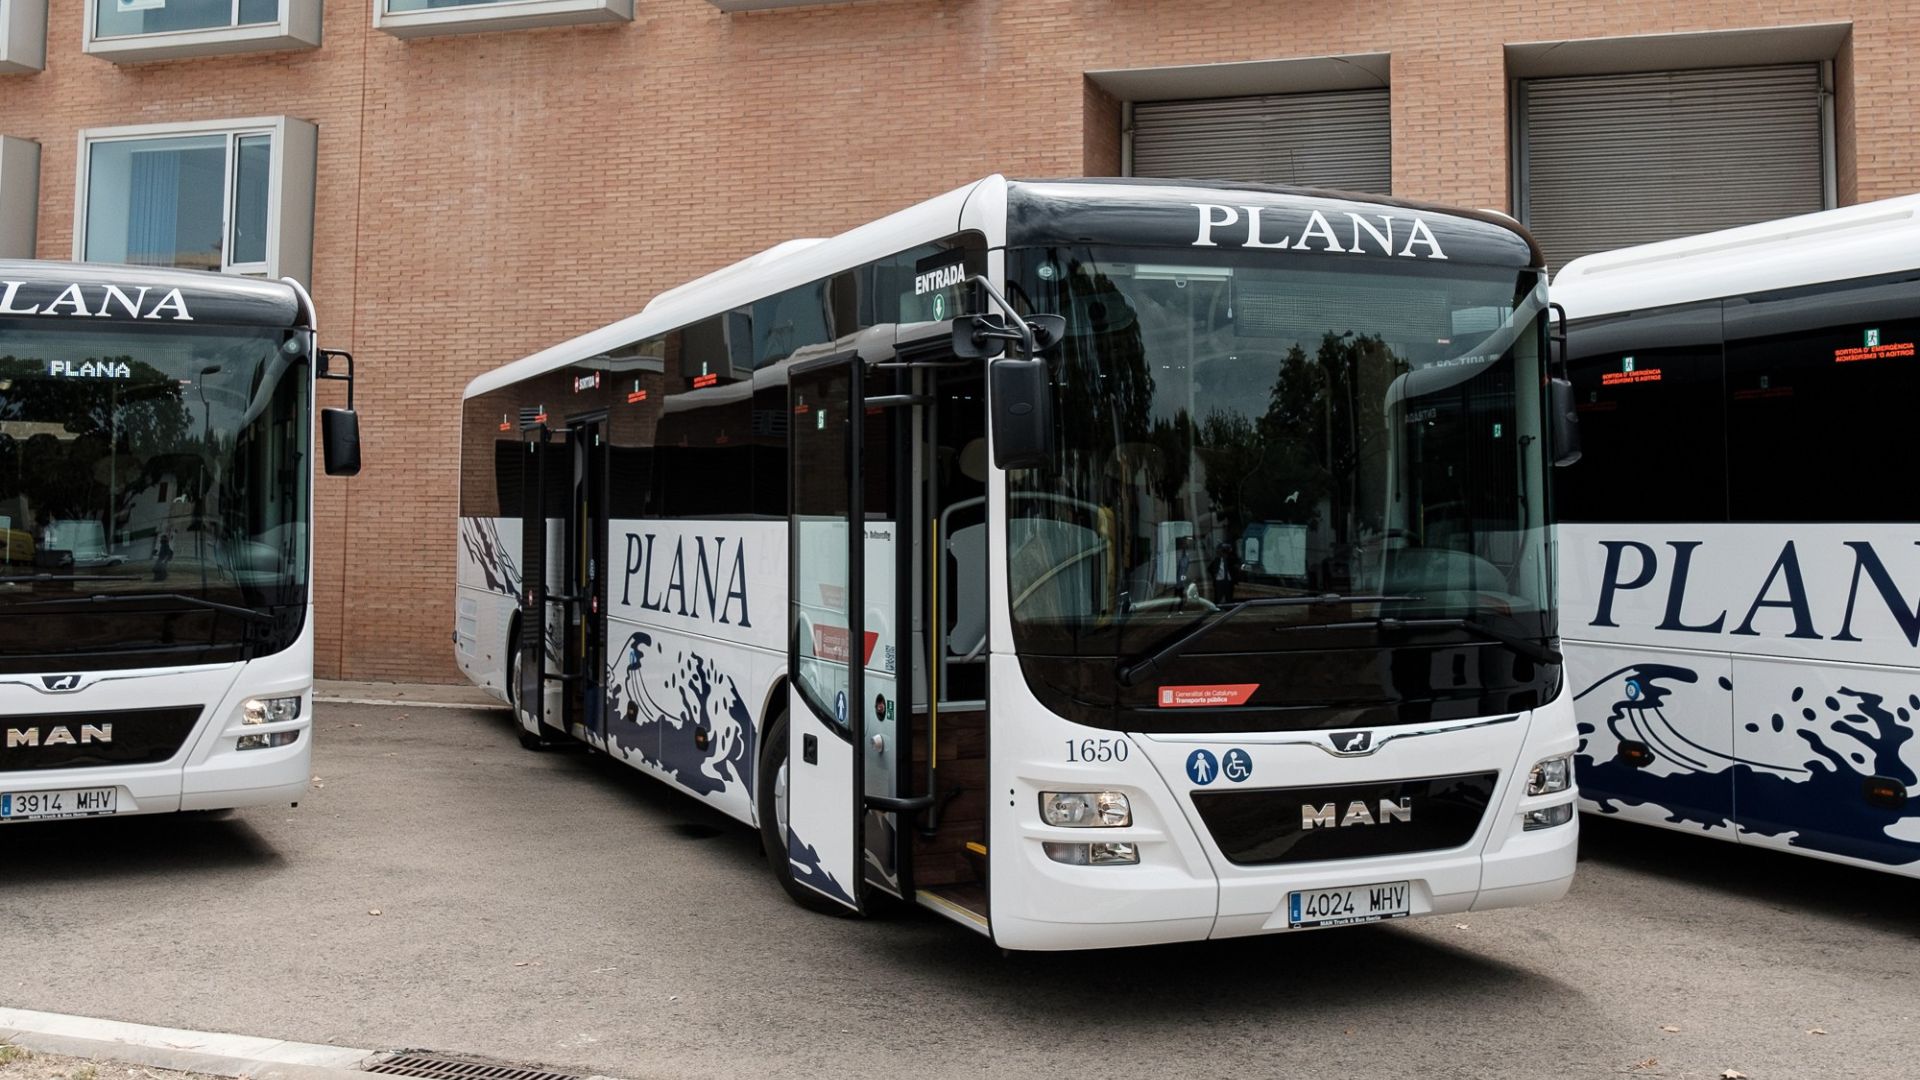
(179,1050)
(431,695)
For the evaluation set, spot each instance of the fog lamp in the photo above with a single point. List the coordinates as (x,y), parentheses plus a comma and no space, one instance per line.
(1551,775)
(1548,816)
(1105,854)
(266,740)
(1085,809)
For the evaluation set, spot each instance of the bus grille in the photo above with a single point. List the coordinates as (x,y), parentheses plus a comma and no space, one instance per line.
(1345,821)
(70,740)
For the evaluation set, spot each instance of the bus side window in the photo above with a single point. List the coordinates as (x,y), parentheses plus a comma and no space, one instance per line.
(1648,389)
(1820,390)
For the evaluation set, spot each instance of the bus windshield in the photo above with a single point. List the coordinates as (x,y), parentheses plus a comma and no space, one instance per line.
(153,485)
(1361,436)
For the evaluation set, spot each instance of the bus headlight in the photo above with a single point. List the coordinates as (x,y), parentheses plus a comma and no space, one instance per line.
(1551,775)
(270,710)
(1085,809)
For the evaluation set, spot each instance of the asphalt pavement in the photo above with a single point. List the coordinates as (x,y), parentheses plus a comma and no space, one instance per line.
(442,888)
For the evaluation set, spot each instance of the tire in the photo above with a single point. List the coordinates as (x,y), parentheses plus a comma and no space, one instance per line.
(768,798)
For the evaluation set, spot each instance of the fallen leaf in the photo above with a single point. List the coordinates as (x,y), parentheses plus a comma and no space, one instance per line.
(1733,1074)
(1669,1028)
(373,911)
(1349,1031)
(1461,926)
(519,963)
(1647,1064)
(1816,1031)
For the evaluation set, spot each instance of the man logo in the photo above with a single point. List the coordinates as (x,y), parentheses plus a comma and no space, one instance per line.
(60,684)
(1352,742)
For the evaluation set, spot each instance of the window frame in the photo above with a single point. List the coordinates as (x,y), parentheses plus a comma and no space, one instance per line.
(298,27)
(485,16)
(291,178)
(19,196)
(23,36)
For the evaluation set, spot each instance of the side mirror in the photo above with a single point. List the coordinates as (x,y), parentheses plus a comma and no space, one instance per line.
(340,441)
(1022,396)
(1563,422)
(976,337)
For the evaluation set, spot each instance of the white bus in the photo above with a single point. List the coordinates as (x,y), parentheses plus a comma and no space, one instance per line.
(156,626)
(1220,604)
(1741,539)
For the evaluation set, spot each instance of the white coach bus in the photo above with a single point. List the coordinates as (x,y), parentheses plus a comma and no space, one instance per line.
(1741,541)
(156,627)
(1219,604)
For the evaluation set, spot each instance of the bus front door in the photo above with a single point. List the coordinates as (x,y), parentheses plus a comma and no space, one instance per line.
(829,643)
(581,606)
(530,667)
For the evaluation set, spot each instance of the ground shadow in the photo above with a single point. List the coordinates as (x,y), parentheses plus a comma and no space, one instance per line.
(131,848)
(1776,878)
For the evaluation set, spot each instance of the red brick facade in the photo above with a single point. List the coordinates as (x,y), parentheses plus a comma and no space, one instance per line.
(482,196)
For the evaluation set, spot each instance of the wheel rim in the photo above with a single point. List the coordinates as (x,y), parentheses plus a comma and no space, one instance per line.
(780,799)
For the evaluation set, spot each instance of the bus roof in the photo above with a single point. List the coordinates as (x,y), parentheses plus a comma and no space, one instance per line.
(1832,245)
(1135,201)
(30,288)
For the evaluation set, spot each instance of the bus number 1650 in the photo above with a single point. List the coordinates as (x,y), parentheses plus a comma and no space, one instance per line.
(1084,750)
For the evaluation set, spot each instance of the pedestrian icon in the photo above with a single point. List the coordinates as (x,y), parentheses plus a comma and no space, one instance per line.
(1202,768)
(840,706)
(1237,765)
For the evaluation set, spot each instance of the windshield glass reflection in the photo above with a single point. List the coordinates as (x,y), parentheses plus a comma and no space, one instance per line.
(158,465)
(1235,427)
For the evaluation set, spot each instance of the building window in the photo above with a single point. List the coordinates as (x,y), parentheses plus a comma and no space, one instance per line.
(424,18)
(130,31)
(19,196)
(228,196)
(23,36)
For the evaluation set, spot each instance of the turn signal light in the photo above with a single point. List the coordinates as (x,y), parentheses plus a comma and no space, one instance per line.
(1886,793)
(1635,755)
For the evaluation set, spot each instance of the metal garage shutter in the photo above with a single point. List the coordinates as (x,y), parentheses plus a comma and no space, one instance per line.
(1615,160)
(1334,140)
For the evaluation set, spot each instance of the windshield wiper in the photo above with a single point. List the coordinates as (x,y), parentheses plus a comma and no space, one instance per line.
(1131,673)
(211,605)
(1532,650)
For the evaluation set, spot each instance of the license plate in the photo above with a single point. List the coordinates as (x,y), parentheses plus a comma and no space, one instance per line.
(71,802)
(1355,904)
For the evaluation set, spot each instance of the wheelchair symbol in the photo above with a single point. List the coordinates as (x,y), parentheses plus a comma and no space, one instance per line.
(1237,765)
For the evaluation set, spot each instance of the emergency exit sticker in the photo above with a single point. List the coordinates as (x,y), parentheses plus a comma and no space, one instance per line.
(1189,697)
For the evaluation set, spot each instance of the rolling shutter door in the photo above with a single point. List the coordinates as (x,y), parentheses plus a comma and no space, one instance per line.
(1612,161)
(1333,140)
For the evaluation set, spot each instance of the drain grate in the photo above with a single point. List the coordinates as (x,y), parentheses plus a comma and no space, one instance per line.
(440,1067)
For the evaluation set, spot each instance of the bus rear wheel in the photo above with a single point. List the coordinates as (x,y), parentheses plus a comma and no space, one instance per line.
(770,804)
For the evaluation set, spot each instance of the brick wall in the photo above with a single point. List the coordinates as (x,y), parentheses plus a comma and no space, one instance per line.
(483,196)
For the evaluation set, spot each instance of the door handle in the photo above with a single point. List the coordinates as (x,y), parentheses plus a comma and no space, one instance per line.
(810,749)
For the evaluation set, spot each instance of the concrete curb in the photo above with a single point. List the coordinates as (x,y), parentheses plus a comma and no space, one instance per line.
(405,695)
(179,1049)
